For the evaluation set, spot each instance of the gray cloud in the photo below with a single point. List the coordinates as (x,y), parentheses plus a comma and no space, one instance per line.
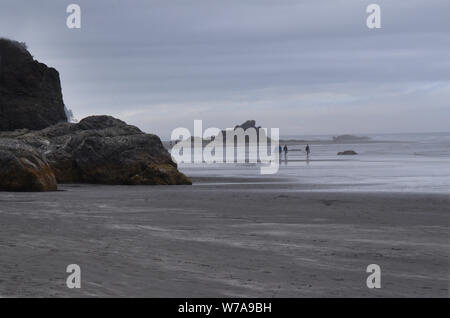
(304,66)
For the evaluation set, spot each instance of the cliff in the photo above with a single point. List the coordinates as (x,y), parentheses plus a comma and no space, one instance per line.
(30,92)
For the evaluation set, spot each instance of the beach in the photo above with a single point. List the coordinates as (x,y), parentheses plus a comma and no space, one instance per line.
(310,230)
(223,237)
(248,150)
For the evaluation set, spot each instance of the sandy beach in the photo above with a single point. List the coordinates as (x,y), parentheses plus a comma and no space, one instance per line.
(224,149)
(231,239)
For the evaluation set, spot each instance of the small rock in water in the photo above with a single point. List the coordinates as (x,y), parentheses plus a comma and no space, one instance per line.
(347,152)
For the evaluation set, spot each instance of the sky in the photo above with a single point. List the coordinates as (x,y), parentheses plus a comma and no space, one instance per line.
(305,67)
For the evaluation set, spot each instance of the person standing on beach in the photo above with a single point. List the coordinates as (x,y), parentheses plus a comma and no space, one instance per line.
(285,152)
(308,151)
(280,150)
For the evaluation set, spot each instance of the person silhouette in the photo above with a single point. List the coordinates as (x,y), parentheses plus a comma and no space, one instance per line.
(308,151)
(285,152)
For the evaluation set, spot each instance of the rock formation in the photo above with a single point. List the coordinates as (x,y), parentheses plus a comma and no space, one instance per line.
(104,150)
(22,168)
(39,148)
(248,124)
(30,92)
(347,152)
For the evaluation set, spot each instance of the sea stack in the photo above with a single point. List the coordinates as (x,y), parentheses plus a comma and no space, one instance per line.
(30,92)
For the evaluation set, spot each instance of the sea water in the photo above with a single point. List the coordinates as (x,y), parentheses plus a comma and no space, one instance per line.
(389,162)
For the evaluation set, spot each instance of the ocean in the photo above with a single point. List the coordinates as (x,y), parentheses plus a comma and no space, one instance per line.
(389,162)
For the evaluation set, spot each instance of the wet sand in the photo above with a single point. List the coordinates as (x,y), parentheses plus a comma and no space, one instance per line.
(206,240)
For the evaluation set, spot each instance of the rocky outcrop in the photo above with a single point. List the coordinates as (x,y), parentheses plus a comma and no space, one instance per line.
(248,124)
(30,92)
(23,168)
(347,152)
(38,147)
(105,150)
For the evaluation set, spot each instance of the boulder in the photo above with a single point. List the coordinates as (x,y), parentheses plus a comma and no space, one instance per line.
(104,150)
(347,152)
(22,168)
(30,92)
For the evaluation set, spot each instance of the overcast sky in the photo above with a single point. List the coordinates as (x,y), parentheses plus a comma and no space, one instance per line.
(307,67)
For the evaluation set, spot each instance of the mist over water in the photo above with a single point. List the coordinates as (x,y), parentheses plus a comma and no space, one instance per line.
(390,162)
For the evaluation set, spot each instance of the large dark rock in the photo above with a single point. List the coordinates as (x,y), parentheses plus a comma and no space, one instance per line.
(30,92)
(102,149)
(23,168)
(39,147)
